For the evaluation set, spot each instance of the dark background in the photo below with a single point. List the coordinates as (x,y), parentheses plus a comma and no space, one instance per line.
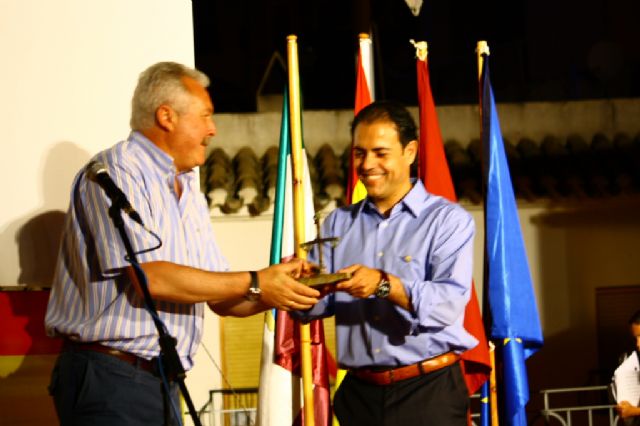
(540,50)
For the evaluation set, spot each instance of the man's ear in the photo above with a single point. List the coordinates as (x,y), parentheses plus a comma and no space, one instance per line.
(410,151)
(166,117)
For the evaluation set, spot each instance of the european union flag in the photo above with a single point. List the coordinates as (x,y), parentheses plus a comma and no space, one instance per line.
(513,312)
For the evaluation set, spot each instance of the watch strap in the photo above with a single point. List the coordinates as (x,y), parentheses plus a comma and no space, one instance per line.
(254,287)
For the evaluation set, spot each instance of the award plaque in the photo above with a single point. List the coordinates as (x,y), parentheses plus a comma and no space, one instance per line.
(322,277)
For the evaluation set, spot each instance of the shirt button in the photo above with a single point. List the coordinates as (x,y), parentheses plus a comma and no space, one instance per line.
(380,253)
(407,258)
(376,351)
(384,224)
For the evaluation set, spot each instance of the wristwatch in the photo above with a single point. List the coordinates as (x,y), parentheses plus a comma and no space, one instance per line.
(384,286)
(254,291)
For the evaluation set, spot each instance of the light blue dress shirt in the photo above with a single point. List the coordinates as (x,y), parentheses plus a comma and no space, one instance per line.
(427,242)
(92,299)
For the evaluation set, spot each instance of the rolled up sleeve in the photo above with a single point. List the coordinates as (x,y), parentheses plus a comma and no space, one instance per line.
(439,300)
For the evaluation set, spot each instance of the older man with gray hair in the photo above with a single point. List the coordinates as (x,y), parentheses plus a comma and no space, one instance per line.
(108,371)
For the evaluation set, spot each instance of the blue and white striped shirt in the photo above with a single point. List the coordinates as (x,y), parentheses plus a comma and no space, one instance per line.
(92,299)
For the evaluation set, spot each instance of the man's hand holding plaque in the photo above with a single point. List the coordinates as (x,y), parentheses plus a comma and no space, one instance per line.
(319,278)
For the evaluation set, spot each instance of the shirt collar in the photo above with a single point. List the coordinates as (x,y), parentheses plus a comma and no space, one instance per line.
(413,202)
(161,159)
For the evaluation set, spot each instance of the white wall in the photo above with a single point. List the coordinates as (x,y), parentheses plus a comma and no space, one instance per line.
(69,68)
(68,73)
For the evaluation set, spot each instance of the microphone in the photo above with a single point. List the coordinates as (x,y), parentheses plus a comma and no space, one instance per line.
(97,172)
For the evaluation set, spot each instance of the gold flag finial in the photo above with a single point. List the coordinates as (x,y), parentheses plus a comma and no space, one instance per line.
(421,49)
(482,48)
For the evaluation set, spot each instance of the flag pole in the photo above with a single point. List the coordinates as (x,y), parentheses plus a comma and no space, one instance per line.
(298,214)
(482,48)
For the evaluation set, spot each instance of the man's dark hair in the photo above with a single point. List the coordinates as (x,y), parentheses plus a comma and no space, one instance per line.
(635,318)
(389,111)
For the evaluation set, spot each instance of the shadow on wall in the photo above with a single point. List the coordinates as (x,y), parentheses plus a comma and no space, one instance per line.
(38,241)
(27,355)
(38,238)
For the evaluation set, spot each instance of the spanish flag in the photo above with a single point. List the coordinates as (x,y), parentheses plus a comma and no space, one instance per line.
(433,170)
(27,356)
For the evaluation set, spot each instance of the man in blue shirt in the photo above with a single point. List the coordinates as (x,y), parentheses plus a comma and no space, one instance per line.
(399,318)
(108,373)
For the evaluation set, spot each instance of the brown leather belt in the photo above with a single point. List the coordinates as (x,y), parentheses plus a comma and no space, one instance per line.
(129,358)
(387,377)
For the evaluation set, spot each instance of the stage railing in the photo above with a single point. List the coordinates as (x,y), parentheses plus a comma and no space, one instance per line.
(237,407)
(582,413)
(230,407)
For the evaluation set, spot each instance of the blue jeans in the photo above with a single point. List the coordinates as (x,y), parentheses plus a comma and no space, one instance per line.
(91,388)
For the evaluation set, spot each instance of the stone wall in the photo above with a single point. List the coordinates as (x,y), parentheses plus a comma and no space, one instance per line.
(459,122)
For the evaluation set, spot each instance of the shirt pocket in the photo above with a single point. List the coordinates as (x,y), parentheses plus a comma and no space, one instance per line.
(407,267)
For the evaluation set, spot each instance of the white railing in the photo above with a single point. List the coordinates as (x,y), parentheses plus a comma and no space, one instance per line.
(565,415)
(230,407)
(244,402)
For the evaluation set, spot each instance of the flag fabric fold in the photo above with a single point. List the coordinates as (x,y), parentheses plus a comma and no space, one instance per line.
(514,319)
(485,408)
(364,96)
(433,170)
(280,400)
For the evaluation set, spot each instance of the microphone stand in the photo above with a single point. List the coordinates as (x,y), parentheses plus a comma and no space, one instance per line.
(171,364)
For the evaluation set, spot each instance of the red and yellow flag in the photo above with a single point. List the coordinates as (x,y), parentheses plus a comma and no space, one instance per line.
(27,357)
(364,96)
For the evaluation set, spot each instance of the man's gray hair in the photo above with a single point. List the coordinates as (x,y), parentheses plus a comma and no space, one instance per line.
(161,84)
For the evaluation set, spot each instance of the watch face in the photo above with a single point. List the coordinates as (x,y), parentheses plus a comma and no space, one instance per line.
(383,289)
(253,294)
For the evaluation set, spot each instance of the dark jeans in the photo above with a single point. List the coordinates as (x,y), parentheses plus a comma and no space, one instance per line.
(435,399)
(91,388)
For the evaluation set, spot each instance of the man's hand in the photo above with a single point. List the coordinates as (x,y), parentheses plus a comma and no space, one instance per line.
(326,289)
(626,410)
(363,282)
(281,290)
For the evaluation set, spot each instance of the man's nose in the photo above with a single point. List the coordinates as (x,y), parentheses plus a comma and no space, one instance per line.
(368,161)
(212,128)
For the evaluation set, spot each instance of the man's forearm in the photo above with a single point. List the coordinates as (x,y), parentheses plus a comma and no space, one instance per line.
(183,284)
(238,307)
